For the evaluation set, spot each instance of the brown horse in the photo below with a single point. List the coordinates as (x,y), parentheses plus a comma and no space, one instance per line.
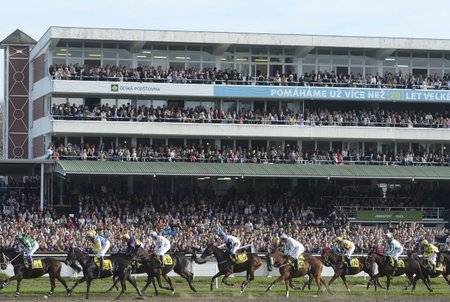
(228,267)
(312,267)
(50,266)
(443,259)
(385,268)
(339,266)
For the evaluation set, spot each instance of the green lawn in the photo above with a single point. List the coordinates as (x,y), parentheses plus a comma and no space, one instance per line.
(39,287)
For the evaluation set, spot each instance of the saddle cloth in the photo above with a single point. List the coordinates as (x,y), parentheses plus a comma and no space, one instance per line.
(107,264)
(167,260)
(400,263)
(241,258)
(301,262)
(354,261)
(36,264)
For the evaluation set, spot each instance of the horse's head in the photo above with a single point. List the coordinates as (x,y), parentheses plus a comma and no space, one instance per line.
(140,254)
(73,255)
(278,258)
(209,250)
(326,253)
(3,261)
(440,259)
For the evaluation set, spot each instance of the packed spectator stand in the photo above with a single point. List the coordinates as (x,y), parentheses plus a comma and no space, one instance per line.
(190,219)
(233,77)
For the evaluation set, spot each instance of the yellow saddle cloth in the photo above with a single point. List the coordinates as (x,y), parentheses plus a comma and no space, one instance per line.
(107,264)
(354,262)
(439,267)
(301,262)
(36,264)
(241,258)
(167,260)
(400,263)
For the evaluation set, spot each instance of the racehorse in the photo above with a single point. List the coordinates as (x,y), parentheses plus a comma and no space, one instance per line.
(151,266)
(386,268)
(443,258)
(338,264)
(312,267)
(50,266)
(227,266)
(120,269)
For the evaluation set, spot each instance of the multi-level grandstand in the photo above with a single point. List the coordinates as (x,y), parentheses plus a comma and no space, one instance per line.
(227,129)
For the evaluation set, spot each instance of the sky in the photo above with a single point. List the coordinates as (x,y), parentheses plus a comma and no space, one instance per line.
(386,18)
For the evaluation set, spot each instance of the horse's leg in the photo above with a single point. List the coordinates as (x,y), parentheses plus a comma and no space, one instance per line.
(158,278)
(19,280)
(225,278)
(335,276)
(149,280)
(388,281)
(52,285)
(133,282)
(88,287)
(172,289)
(250,277)
(286,284)
(154,286)
(84,278)
(63,282)
(115,281)
(326,286)
(188,276)
(123,284)
(214,278)
(279,279)
(345,281)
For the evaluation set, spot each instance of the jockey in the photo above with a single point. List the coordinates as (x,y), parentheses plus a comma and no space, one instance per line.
(429,252)
(162,246)
(100,247)
(29,247)
(347,248)
(276,243)
(395,249)
(131,244)
(232,244)
(292,248)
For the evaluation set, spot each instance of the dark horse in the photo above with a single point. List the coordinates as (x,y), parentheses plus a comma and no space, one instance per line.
(338,265)
(386,268)
(151,266)
(120,268)
(50,266)
(228,267)
(443,258)
(312,267)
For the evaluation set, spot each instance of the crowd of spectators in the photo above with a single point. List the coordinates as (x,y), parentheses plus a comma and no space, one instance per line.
(232,76)
(309,117)
(290,154)
(191,218)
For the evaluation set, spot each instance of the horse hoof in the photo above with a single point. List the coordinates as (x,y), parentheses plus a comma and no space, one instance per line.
(45,297)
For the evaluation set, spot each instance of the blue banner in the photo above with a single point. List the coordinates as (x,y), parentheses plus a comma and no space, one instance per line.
(331,93)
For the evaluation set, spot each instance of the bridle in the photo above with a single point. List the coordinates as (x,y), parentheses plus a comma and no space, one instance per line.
(6,260)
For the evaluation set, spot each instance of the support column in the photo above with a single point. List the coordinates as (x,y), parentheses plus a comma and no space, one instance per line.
(41,207)
(130,183)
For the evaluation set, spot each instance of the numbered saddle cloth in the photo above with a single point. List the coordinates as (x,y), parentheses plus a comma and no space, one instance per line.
(241,258)
(400,263)
(37,264)
(107,264)
(354,262)
(301,262)
(167,260)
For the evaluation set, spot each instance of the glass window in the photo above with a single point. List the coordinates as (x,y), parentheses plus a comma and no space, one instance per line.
(309,59)
(340,52)
(92,45)
(420,55)
(289,60)
(403,54)
(229,106)
(210,104)
(371,70)
(357,60)
(125,54)
(159,103)
(193,142)
(308,146)
(241,49)
(193,47)
(121,102)
(109,54)
(371,61)
(435,62)
(276,60)
(126,63)
(108,102)
(419,62)
(192,104)
(143,141)
(323,145)
(75,44)
(75,52)
(245,105)
(259,50)
(226,143)
(75,101)
(109,45)
(356,52)
(145,103)
(289,51)
(402,147)
(58,100)
(341,60)
(278,51)
(436,55)
(323,60)
(323,51)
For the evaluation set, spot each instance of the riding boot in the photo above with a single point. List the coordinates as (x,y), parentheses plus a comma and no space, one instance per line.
(161,260)
(101,266)
(395,267)
(296,264)
(30,262)
(349,265)
(235,259)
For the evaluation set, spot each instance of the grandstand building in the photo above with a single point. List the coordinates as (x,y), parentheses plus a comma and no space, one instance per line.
(299,110)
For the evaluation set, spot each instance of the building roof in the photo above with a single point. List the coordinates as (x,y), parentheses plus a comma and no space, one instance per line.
(65,167)
(303,43)
(18,37)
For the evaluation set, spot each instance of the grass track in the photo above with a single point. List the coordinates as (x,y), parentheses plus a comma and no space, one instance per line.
(37,288)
